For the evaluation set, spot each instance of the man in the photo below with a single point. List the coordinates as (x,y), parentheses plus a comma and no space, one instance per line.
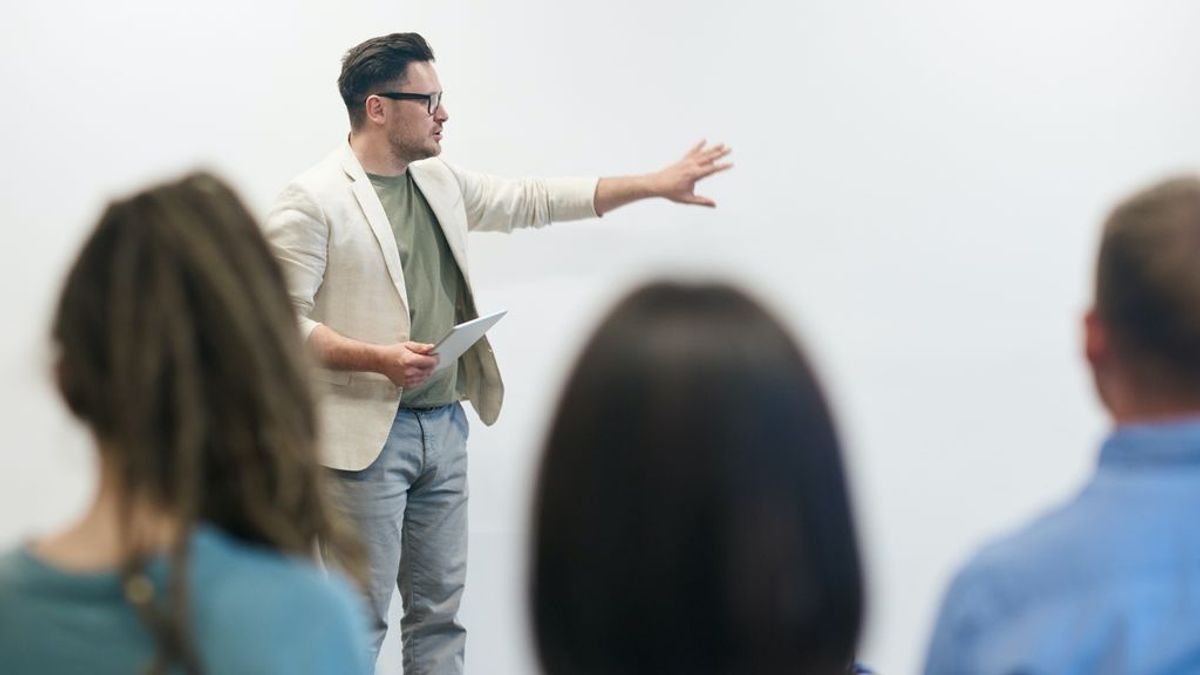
(373,242)
(1110,581)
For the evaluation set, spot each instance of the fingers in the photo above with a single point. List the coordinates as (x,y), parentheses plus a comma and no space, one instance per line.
(419,370)
(716,152)
(702,153)
(714,168)
(413,363)
(422,361)
(708,158)
(699,201)
(706,161)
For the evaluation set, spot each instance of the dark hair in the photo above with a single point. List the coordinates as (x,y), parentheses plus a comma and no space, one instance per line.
(691,513)
(376,62)
(180,350)
(1148,284)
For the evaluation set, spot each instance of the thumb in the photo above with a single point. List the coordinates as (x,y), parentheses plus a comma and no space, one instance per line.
(698,201)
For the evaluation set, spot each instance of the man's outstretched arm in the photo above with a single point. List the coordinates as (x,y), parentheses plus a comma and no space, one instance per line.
(676,182)
(495,204)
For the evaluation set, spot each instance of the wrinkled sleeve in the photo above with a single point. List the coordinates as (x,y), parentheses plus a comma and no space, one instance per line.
(299,236)
(495,204)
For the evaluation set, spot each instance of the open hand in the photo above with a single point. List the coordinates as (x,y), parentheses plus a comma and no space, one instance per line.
(678,181)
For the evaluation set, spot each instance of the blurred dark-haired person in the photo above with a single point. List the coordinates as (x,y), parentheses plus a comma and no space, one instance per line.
(373,240)
(691,513)
(1109,582)
(178,349)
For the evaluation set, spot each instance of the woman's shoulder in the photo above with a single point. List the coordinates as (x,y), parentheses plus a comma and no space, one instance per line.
(226,569)
(12,564)
(245,598)
(26,578)
(15,574)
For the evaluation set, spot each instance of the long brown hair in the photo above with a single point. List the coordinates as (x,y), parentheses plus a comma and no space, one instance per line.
(180,350)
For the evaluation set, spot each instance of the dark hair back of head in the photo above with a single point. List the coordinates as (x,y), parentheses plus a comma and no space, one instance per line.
(377,62)
(1148,285)
(180,350)
(691,512)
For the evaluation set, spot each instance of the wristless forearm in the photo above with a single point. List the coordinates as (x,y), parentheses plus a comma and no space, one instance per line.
(618,191)
(338,352)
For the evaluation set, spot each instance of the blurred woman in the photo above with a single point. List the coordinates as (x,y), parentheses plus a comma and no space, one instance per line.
(178,349)
(691,513)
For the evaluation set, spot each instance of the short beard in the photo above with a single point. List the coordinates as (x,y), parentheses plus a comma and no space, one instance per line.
(409,153)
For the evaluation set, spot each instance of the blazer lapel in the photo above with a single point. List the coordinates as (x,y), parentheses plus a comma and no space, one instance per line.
(443,200)
(377,220)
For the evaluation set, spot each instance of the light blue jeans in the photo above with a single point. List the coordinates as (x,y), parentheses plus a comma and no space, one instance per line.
(410,506)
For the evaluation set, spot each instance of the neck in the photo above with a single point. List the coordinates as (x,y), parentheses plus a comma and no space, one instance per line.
(1155,415)
(1130,406)
(375,154)
(96,541)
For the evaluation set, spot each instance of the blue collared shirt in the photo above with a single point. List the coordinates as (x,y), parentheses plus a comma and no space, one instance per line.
(1107,583)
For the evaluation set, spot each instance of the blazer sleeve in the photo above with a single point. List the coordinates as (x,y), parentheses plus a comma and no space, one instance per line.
(298,232)
(496,204)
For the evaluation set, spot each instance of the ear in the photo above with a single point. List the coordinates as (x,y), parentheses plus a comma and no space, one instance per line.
(1097,347)
(374,109)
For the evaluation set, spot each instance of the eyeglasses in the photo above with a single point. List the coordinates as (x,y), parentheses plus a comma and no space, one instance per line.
(432,101)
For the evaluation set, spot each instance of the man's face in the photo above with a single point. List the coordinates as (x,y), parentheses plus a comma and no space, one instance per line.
(413,133)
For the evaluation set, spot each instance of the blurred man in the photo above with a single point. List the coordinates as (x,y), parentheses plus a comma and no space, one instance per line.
(374,240)
(1110,581)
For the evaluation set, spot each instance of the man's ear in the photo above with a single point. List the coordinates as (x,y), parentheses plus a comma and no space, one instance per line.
(1097,345)
(373,108)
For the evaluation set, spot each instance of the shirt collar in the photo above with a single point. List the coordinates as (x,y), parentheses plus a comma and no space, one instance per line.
(1175,443)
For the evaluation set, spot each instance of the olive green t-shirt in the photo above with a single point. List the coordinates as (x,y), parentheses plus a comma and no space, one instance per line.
(431,276)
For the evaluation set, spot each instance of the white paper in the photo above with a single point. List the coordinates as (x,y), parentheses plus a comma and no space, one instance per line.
(461,337)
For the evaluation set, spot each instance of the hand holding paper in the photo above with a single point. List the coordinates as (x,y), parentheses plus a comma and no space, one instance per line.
(461,337)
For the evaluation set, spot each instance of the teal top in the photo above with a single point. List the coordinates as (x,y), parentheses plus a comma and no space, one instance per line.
(252,611)
(431,278)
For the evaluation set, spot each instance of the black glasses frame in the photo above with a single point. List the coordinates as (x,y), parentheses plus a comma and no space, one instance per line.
(432,101)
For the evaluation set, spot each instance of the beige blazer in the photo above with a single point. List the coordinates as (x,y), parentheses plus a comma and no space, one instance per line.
(333,239)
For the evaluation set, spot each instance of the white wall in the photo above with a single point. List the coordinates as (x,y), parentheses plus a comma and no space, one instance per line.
(918,187)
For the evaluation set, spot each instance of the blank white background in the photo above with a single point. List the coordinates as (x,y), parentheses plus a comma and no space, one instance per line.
(917,192)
